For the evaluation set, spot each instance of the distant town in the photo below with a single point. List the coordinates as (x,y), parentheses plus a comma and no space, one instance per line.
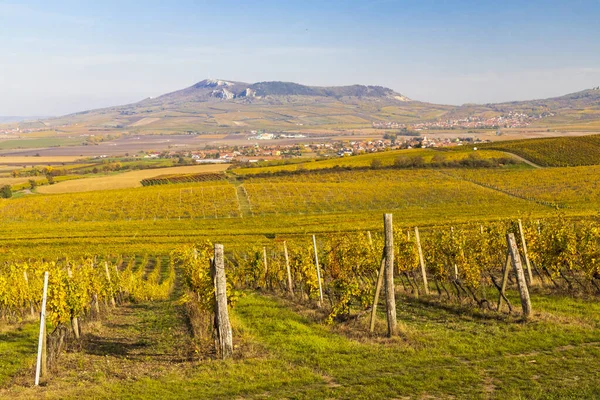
(255,153)
(510,120)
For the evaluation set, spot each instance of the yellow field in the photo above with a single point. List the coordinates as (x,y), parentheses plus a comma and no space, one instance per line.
(37,160)
(126,180)
(145,121)
(14,181)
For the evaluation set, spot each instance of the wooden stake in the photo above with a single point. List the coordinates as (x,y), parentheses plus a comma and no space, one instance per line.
(223,325)
(525,255)
(289,272)
(31,311)
(422,261)
(266,267)
(518,268)
(318,271)
(504,281)
(74,320)
(455,266)
(112,297)
(389,275)
(39,369)
(120,288)
(377,292)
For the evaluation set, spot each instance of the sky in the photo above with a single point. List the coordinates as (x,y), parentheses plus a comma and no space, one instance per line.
(61,57)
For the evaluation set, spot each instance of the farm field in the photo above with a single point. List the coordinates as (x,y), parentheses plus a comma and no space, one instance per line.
(428,192)
(39,143)
(385,159)
(125,180)
(555,152)
(130,246)
(22,160)
(573,188)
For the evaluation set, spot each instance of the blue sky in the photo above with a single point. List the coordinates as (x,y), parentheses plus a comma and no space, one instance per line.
(64,56)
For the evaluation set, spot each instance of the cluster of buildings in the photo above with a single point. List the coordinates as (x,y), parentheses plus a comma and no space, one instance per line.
(510,120)
(258,135)
(267,152)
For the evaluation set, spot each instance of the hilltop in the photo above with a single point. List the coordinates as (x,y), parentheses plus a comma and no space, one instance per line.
(210,89)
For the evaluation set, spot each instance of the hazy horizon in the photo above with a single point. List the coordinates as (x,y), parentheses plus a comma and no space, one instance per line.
(69,57)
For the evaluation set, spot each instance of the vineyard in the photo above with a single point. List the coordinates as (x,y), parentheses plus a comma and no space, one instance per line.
(141,301)
(182,178)
(382,159)
(331,192)
(574,188)
(555,152)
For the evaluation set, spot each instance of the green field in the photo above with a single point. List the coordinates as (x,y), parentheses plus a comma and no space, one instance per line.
(40,143)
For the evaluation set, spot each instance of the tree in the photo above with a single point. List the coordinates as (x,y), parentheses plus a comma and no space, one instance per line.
(6,192)
(32,183)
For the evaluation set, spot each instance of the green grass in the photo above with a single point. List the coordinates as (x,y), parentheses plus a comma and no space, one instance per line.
(445,351)
(18,346)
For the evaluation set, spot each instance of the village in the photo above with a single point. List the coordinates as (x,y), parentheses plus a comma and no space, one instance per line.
(510,120)
(254,153)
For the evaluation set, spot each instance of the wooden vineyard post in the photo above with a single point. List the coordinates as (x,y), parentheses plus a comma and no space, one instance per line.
(390,294)
(39,368)
(30,302)
(377,292)
(266,267)
(422,261)
(112,296)
(455,265)
(518,268)
(525,254)
(119,280)
(287,267)
(504,281)
(318,271)
(222,324)
(74,320)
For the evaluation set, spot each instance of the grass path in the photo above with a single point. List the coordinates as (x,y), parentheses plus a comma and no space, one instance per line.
(522,159)
(145,351)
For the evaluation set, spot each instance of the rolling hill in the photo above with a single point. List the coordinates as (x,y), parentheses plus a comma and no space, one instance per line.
(222,106)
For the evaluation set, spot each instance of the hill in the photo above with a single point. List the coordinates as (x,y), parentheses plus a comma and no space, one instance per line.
(223,106)
(228,90)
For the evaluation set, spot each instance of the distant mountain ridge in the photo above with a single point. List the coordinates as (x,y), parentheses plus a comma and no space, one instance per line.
(229,90)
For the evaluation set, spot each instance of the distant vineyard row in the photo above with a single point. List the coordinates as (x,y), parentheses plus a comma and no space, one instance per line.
(183,178)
